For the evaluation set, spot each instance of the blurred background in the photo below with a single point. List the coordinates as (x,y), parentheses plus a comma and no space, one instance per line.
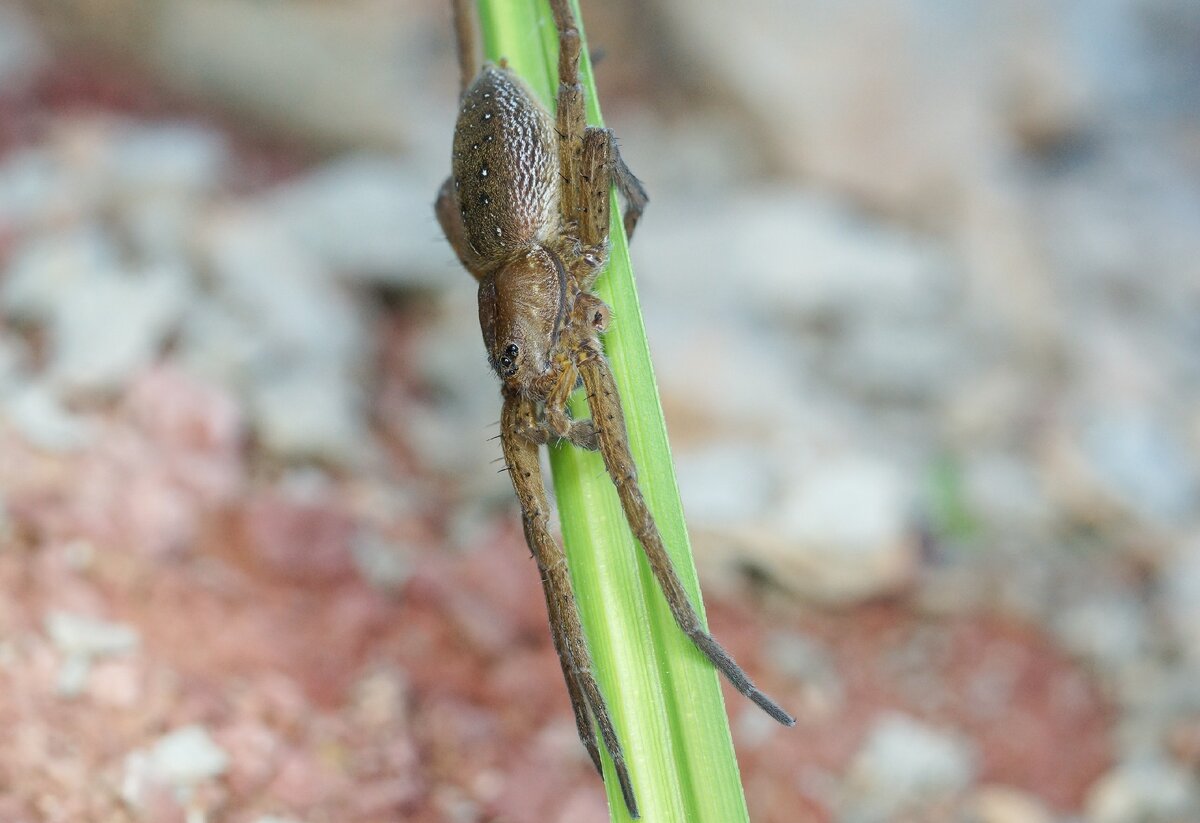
(922,282)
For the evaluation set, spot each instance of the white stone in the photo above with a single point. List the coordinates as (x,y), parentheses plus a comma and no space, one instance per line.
(329,75)
(821,689)
(385,564)
(187,756)
(1180,581)
(1001,804)
(14,359)
(845,530)
(80,640)
(1108,630)
(30,183)
(905,764)
(280,289)
(450,424)
(277,327)
(310,413)
(735,373)
(357,216)
(165,156)
(114,324)
(725,485)
(1144,791)
(221,344)
(834,264)
(38,414)
(160,224)
(1142,464)
(820,290)
(75,634)
(47,268)
(1003,489)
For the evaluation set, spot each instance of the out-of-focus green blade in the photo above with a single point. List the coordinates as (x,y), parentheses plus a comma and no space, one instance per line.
(663,693)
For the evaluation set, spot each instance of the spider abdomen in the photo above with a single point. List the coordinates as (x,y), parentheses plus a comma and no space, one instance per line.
(504,166)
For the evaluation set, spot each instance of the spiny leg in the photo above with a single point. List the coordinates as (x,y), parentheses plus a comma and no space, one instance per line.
(614,447)
(571,122)
(601,165)
(557,417)
(524,423)
(464,36)
(450,219)
(585,180)
(630,187)
(570,641)
(580,433)
(579,705)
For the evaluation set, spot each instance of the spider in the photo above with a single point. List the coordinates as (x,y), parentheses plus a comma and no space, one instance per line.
(526,209)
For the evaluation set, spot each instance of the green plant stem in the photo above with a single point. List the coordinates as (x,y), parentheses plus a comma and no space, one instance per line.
(663,693)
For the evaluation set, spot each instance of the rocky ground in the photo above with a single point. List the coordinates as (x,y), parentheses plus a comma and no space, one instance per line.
(923,293)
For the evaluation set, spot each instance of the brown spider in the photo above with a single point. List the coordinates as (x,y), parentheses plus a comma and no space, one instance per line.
(526,210)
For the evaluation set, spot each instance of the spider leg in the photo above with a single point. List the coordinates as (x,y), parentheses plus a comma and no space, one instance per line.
(630,187)
(580,433)
(448,215)
(597,177)
(586,179)
(557,417)
(570,641)
(601,167)
(579,705)
(464,37)
(583,435)
(571,122)
(525,424)
(605,403)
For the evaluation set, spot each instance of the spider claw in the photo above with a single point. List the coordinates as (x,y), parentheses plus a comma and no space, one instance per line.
(772,708)
(720,658)
(626,787)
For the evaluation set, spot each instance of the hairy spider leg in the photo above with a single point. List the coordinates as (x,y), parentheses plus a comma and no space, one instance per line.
(570,641)
(605,404)
(599,167)
(588,165)
(582,176)
(464,36)
(446,209)
(570,120)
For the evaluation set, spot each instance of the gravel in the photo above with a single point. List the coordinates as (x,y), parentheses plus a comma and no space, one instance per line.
(40,417)
(356,215)
(82,640)
(1144,791)
(903,767)
(915,329)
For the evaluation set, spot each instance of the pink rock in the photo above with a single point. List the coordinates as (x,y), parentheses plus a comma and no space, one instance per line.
(254,751)
(300,542)
(115,683)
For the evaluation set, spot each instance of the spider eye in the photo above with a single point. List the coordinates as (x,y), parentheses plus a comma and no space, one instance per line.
(508,359)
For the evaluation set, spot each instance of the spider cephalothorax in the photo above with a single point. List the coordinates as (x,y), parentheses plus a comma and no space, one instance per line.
(526,209)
